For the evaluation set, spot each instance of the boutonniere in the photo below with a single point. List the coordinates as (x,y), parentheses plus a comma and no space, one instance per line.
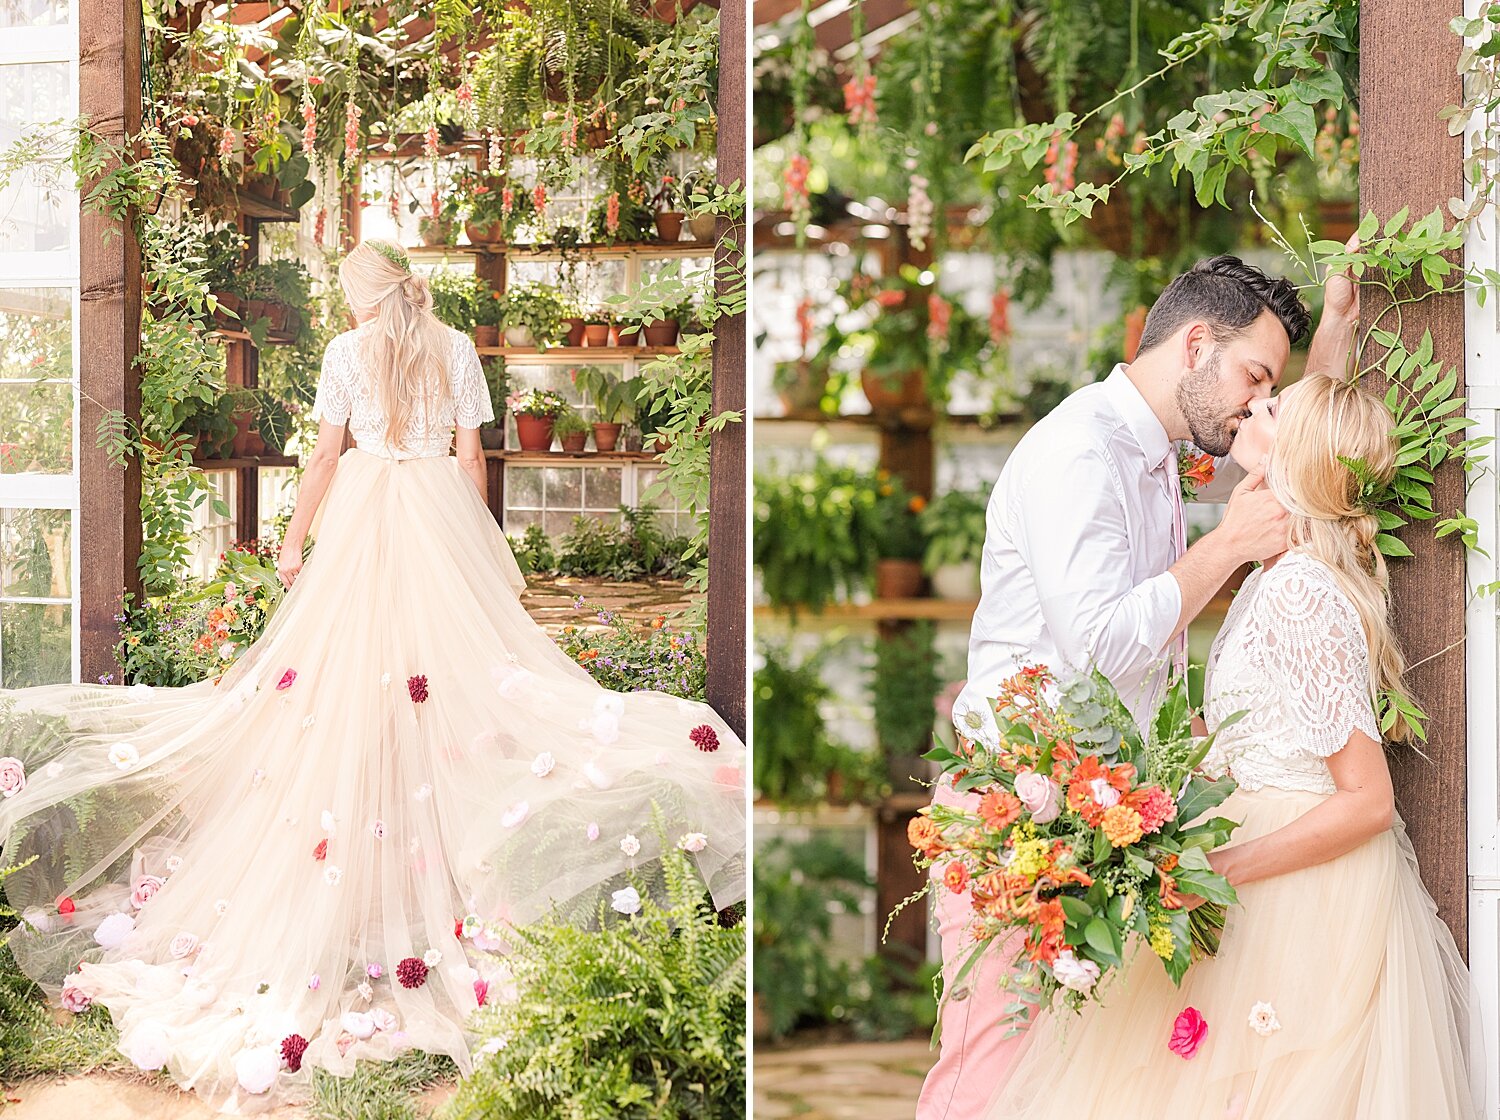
(1195,470)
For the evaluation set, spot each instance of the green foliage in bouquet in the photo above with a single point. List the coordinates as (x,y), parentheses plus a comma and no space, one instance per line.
(642,1018)
(627,657)
(1087,833)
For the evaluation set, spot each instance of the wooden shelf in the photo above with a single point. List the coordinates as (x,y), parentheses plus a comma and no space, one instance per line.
(253,206)
(554,252)
(236,464)
(515,453)
(921,419)
(273,338)
(882,610)
(576,355)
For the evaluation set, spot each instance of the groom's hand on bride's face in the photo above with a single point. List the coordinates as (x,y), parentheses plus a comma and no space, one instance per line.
(1255,525)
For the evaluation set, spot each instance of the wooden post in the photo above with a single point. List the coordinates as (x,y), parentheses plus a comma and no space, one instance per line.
(726,529)
(1408,159)
(109,332)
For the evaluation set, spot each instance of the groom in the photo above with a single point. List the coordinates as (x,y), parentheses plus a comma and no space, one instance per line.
(1086,561)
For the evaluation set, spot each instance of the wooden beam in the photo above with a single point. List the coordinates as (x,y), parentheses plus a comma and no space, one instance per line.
(768,12)
(109,332)
(837,32)
(1407,158)
(726,527)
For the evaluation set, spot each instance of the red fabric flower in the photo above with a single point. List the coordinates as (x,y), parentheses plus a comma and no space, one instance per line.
(458,927)
(321,851)
(293,1046)
(1187,1033)
(66,906)
(417,686)
(286,679)
(481,990)
(412,972)
(705,738)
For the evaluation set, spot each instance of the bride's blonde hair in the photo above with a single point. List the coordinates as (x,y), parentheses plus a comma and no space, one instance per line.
(1326,422)
(406,346)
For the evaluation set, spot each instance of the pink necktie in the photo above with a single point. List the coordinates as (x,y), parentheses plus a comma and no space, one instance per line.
(1179,548)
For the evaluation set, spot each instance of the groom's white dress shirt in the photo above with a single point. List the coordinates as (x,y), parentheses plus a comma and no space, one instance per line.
(1081,528)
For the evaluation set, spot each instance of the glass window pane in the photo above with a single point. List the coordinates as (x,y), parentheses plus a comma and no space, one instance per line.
(36,553)
(516,521)
(36,428)
(559,522)
(564,487)
(35,209)
(601,487)
(36,366)
(34,13)
(523,487)
(36,644)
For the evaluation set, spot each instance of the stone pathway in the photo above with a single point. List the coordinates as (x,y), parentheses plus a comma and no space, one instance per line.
(550,600)
(846,1081)
(119,1096)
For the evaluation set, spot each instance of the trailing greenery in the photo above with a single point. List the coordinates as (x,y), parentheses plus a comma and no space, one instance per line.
(904,687)
(640,1019)
(816,534)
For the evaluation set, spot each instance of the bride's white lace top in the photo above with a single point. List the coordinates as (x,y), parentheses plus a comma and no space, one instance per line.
(1292,655)
(347,394)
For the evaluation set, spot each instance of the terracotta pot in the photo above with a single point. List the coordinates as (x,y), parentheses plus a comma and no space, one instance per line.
(606,436)
(255,444)
(1135,325)
(244,423)
(898,579)
(631,440)
(624,336)
(487,336)
(598,136)
(228,301)
(596,334)
(575,441)
(436,233)
(804,392)
(703,227)
(669,224)
(884,396)
(492,436)
(253,309)
(291,321)
(519,337)
(492,234)
(660,444)
(1337,219)
(574,323)
(663,332)
(535,432)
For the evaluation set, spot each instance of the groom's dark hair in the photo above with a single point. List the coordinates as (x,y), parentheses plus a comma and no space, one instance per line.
(1228,295)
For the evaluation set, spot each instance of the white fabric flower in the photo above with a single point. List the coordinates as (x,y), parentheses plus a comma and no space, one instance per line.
(385,680)
(307,721)
(626,901)
(199,992)
(183,944)
(383,1019)
(514,815)
(173,863)
(597,777)
(256,1069)
(1074,973)
(432,958)
(630,845)
(472,924)
(358,1023)
(416,842)
(1263,1019)
(314,982)
(147,1046)
(366,990)
(257,776)
(53,769)
(693,842)
(332,875)
(221,907)
(140,692)
(422,792)
(327,820)
(605,727)
(593,830)
(543,764)
(111,932)
(610,702)
(124,755)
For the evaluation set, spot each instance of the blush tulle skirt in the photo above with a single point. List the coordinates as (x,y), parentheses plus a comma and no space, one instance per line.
(402,766)
(1363,978)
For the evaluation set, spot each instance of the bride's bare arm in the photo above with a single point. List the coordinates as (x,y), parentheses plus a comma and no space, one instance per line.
(317,473)
(1363,806)
(471,458)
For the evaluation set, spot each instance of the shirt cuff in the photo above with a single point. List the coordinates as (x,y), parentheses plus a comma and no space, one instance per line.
(1161,599)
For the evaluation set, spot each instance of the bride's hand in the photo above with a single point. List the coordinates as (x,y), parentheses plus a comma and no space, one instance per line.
(288,565)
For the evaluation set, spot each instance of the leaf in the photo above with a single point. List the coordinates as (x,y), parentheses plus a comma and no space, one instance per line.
(1099,938)
(1202,795)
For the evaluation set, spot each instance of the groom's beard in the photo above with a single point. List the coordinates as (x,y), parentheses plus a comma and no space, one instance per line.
(1198,398)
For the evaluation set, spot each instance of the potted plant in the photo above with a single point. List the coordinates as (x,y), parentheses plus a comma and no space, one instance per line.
(477,199)
(596,324)
(800,385)
(625,330)
(435,231)
(900,543)
(703,226)
(617,217)
(572,430)
(611,397)
(224,252)
(670,211)
(208,426)
(274,291)
(531,314)
(497,377)
(954,525)
(663,327)
(486,314)
(535,411)
(453,298)
(816,534)
(244,413)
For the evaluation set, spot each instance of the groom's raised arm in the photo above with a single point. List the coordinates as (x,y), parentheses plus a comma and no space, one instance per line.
(1070,528)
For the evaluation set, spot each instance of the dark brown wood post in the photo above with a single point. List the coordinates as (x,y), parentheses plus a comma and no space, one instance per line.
(726,529)
(109,332)
(1408,159)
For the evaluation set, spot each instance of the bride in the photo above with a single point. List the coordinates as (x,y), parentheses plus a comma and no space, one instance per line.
(315,858)
(1337,992)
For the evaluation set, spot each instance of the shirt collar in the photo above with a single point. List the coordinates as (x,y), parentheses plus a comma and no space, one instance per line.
(1142,422)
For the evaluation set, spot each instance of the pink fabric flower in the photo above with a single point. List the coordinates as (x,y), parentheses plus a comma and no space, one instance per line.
(12,776)
(373,970)
(1187,1033)
(144,889)
(481,991)
(74,998)
(321,851)
(286,679)
(730,776)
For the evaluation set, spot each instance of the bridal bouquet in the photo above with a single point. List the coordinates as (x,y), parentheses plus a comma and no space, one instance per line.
(1086,834)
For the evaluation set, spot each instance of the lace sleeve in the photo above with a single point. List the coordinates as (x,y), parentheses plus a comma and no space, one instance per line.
(471,393)
(333,402)
(1314,652)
